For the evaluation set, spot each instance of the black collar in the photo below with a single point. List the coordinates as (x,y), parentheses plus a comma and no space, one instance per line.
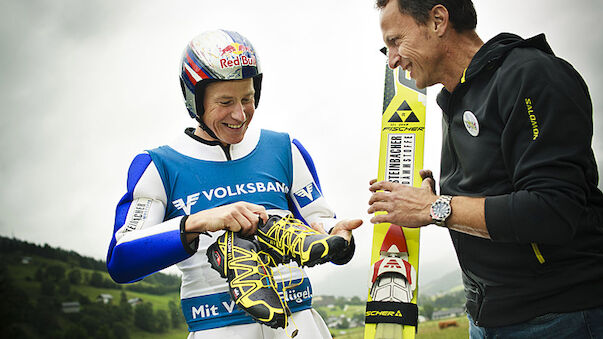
(190,131)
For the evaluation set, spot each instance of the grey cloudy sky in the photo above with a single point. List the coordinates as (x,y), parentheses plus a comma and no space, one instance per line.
(86,85)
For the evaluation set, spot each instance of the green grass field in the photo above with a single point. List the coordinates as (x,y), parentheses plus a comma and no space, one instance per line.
(181,333)
(24,275)
(427,330)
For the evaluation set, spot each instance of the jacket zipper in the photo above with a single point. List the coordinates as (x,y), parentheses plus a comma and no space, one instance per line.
(537,253)
(449,136)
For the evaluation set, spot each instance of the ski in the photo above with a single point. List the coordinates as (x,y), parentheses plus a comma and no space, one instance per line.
(391,310)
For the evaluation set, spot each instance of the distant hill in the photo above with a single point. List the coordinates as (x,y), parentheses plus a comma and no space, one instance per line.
(435,268)
(431,274)
(52,282)
(448,282)
(49,292)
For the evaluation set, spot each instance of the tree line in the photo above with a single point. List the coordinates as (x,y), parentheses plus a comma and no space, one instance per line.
(31,315)
(12,245)
(157,283)
(428,305)
(33,293)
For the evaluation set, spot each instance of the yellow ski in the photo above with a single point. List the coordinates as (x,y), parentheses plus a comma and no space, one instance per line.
(391,311)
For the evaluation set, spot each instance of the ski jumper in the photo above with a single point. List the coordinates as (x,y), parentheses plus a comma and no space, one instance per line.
(190,175)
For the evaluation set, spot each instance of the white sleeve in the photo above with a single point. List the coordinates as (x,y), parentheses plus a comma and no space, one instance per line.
(143,243)
(305,192)
(146,212)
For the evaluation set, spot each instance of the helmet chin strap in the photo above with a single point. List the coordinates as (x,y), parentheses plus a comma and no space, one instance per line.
(217,141)
(207,129)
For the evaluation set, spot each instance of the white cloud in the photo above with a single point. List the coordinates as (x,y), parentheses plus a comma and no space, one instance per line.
(87,86)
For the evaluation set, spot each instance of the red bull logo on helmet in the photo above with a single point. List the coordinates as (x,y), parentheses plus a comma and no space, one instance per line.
(235,55)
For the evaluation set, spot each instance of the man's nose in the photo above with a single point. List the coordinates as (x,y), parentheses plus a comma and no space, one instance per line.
(393,58)
(238,112)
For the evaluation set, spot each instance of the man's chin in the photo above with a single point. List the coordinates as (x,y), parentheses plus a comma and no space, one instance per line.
(234,139)
(420,83)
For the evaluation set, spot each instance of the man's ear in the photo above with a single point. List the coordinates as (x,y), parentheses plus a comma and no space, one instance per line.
(440,19)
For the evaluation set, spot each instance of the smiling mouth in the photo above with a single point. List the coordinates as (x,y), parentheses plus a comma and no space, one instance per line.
(235,126)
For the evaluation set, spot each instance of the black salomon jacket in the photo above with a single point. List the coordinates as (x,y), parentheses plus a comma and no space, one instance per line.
(517,130)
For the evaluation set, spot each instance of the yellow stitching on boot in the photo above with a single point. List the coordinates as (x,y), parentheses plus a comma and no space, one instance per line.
(284,243)
(236,264)
(280,298)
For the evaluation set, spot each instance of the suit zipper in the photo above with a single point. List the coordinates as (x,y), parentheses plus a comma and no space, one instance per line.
(226,150)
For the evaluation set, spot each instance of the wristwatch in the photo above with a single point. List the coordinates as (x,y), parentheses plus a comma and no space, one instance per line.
(441,210)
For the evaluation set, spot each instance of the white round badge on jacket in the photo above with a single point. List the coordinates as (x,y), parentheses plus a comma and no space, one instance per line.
(471,123)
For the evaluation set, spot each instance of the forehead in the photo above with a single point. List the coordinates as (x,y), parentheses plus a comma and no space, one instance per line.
(230,88)
(393,22)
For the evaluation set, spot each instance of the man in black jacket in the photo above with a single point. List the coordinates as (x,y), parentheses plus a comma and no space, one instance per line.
(518,175)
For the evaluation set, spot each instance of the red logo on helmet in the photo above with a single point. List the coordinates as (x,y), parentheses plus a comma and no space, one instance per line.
(229,49)
(233,56)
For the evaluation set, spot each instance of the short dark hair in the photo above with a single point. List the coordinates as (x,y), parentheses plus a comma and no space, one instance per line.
(462,13)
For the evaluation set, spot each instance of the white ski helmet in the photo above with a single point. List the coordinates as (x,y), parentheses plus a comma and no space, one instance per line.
(216,56)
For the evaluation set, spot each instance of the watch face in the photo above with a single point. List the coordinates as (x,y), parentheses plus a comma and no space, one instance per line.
(440,210)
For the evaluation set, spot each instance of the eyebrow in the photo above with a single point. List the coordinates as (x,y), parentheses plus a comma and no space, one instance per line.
(250,93)
(391,38)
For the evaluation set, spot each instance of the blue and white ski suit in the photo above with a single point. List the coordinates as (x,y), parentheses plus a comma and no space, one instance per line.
(190,175)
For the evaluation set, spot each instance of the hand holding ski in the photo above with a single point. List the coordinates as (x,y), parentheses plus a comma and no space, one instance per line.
(405,205)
